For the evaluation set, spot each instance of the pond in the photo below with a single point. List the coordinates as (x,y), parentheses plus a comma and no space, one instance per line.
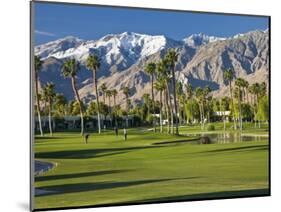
(228,137)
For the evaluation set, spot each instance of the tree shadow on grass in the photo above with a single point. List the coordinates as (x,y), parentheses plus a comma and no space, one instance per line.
(238,149)
(176,141)
(78,175)
(84,187)
(203,196)
(89,153)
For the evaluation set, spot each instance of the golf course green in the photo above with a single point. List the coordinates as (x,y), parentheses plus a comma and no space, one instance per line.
(148,167)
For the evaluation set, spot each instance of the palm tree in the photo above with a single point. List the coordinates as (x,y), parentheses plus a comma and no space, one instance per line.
(199,96)
(208,99)
(246,91)
(49,94)
(60,105)
(160,87)
(108,93)
(103,89)
(189,92)
(181,101)
(223,108)
(172,58)
(37,68)
(255,91)
(239,83)
(70,69)
(164,72)
(114,94)
(126,93)
(228,76)
(93,64)
(150,70)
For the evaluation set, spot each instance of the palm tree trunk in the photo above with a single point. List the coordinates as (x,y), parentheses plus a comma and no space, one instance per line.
(232,103)
(168,111)
(161,126)
(240,111)
(191,110)
(203,116)
(153,105)
(50,118)
(38,104)
(115,117)
(175,100)
(200,114)
(110,112)
(127,117)
(97,98)
(171,109)
(73,83)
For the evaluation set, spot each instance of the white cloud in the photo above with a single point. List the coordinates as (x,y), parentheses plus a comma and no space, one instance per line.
(44,33)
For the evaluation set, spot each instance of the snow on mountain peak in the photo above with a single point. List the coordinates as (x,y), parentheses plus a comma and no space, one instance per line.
(58,47)
(112,47)
(195,40)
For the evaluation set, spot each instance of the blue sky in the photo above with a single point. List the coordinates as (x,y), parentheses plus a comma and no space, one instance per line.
(53,21)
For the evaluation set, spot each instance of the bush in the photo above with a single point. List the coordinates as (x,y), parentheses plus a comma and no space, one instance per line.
(210,127)
(205,140)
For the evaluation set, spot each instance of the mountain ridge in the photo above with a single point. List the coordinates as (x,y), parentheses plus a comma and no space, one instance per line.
(124,55)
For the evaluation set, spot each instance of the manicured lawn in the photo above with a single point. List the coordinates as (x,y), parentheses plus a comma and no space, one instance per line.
(107,171)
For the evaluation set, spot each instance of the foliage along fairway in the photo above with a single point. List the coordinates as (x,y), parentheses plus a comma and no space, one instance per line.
(106,171)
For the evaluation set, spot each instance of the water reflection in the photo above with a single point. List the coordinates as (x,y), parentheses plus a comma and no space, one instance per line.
(232,137)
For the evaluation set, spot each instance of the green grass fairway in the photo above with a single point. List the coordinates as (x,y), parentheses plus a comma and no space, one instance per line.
(106,171)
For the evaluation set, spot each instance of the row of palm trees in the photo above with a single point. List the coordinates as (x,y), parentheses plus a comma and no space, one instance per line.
(164,72)
(173,96)
(241,92)
(70,70)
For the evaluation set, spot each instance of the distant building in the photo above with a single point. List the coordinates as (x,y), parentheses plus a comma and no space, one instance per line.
(221,114)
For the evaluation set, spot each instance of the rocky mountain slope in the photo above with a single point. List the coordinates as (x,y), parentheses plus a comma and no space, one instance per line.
(202,60)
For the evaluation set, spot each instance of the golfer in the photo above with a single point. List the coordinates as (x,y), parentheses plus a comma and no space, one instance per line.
(116,133)
(125,134)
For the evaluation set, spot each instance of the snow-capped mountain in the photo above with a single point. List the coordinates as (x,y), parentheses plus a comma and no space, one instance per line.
(196,40)
(127,47)
(57,48)
(201,60)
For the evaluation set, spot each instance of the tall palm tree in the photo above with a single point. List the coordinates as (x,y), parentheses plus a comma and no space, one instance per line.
(239,82)
(223,108)
(126,92)
(181,101)
(49,94)
(207,98)
(93,64)
(70,69)
(60,104)
(150,70)
(103,89)
(255,91)
(199,97)
(37,68)
(172,58)
(160,87)
(246,87)
(114,94)
(228,76)
(189,92)
(163,71)
(108,93)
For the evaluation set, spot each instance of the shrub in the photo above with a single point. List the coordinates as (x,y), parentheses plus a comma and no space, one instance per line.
(210,127)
